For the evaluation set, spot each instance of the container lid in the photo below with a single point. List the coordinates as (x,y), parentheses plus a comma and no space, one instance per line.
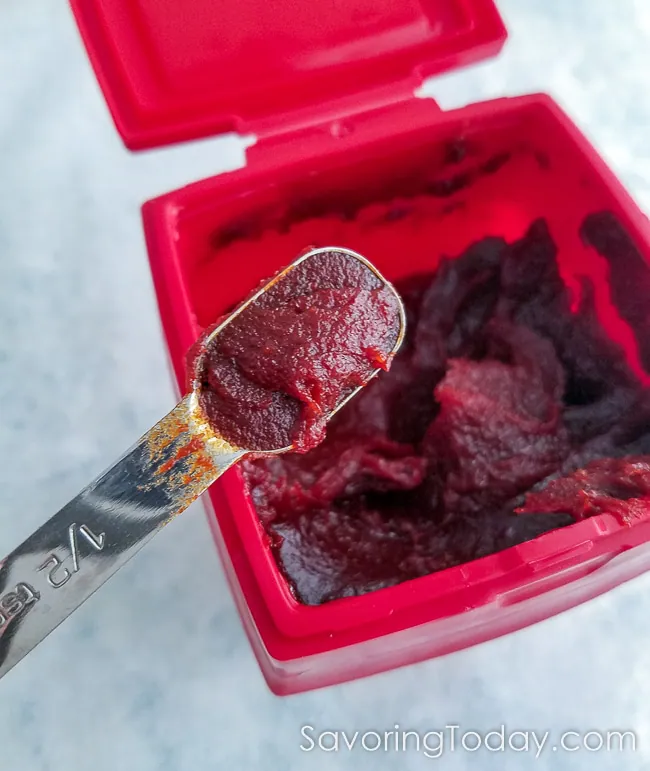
(175,70)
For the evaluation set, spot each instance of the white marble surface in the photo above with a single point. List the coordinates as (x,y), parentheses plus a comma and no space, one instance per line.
(154,672)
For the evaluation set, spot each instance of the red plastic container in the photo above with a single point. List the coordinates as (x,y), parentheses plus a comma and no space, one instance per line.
(328,90)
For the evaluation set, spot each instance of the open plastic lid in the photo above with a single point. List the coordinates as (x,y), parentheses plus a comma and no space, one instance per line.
(174,70)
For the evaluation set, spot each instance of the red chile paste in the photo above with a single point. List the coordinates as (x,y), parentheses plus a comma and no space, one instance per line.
(276,371)
(501,400)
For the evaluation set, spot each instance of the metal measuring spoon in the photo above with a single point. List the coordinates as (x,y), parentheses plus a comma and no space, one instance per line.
(69,557)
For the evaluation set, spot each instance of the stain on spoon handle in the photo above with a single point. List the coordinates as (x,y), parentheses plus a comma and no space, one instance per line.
(70,556)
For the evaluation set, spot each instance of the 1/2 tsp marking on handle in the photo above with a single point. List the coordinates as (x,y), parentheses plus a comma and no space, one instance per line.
(59,575)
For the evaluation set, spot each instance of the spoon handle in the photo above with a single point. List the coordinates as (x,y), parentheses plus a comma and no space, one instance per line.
(63,562)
